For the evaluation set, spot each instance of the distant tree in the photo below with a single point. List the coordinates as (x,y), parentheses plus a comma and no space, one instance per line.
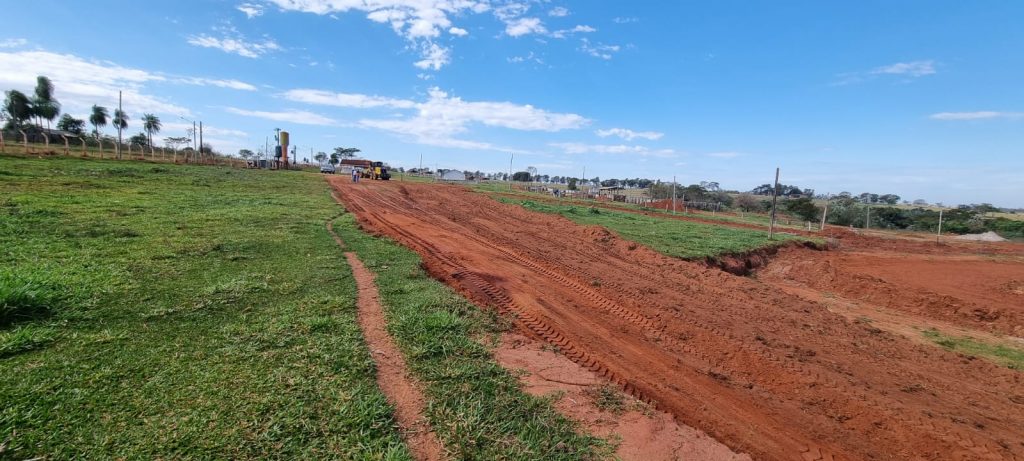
(345,152)
(320,157)
(522,176)
(17,108)
(175,142)
(890,199)
(335,158)
(920,202)
(44,105)
(151,124)
(98,119)
(572,183)
(747,202)
(246,154)
(71,125)
(140,139)
(803,207)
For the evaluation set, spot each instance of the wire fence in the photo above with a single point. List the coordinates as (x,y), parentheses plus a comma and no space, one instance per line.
(40,144)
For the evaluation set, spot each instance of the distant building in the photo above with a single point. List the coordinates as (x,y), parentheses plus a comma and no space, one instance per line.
(453,175)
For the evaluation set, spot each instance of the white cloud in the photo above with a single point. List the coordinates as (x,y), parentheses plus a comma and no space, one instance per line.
(291,115)
(559,12)
(354,100)
(906,70)
(524,26)
(181,127)
(441,117)
(724,154)
(222,83)
(418,21)
(629,135)
(13,43)
(81,83)
(979,115)
(531,57)
(599,50)
(912,69)
(579,29)
(434,56)
(251,10)
(620,149)
(233,42)
(511,11)
(458,31)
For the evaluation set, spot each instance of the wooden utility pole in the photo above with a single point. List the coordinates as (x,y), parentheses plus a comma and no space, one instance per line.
(121,111)
(867,221)
(939,234)
(775,198)
(824,215)
(510,158)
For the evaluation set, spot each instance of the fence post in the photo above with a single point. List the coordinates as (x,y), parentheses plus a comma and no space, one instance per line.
(99,140)
(24,140)
(824,215)
(46,139)
(775,197)
(67,146)
(2,146)
(85,153)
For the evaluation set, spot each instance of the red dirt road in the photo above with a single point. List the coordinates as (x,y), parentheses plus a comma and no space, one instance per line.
(763,372)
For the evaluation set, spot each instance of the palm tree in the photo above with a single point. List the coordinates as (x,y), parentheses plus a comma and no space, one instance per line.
(17,107)
(120,119)
(151,124)
(98,119)
(44,105)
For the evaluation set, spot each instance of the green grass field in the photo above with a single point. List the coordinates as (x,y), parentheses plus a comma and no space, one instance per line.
(673,237)
(758,219)
(163,311)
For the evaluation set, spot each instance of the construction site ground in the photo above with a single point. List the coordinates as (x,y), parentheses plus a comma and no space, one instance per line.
(774,365)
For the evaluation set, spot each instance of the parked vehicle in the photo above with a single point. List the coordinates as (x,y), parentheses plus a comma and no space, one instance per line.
(327,168)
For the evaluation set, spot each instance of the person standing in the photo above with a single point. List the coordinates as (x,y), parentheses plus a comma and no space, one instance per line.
(355,174)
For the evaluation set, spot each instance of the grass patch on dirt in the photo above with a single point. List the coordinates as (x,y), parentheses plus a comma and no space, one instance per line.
(475,405)
(673,237)
(161,311)
(1007,356)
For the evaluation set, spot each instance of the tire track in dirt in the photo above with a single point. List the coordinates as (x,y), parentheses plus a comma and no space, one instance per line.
(764,373)
(393,376)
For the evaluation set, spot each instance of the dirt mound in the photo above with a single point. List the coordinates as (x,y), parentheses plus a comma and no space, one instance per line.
(955,287)
(766,373)
(983,237)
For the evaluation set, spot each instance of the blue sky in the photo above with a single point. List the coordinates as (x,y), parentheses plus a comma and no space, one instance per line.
(923,99)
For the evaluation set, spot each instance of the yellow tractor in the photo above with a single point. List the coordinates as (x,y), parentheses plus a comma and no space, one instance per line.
(378,170)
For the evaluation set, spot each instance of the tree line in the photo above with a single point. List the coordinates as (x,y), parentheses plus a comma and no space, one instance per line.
(21,112)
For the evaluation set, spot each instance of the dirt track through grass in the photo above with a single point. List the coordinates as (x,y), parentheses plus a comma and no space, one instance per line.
(392,374)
